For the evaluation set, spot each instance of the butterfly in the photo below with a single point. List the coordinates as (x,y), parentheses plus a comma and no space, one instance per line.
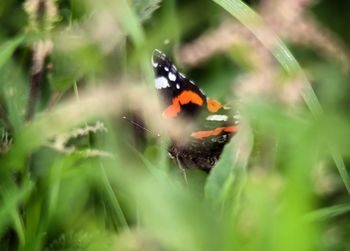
(182,99)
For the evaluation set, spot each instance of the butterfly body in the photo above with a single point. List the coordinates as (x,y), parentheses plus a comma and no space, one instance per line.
(183,100)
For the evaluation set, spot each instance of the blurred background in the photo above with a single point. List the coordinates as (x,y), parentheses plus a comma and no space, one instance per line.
(82,165)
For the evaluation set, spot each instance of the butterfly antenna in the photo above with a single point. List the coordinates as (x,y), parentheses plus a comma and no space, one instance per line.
(140,126)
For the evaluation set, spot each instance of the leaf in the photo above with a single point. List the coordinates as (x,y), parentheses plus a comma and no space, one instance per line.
(8,49)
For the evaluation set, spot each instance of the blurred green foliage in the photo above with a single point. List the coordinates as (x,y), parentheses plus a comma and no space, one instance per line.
(75,175)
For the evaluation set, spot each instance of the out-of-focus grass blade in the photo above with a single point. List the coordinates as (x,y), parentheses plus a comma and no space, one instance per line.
(227,175)
(111,197)
(133,27)
(55,179)
(175,215)
(19,227)
(223,174)
(11,83)
(327,213)
(253,22)
(130,22)
(10,203)
(8,49)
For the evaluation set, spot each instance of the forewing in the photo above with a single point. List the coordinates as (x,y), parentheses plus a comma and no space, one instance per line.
(180,96)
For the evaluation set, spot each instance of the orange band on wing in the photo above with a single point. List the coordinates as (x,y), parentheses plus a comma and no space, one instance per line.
(184,98)
(216,131)
(213,105)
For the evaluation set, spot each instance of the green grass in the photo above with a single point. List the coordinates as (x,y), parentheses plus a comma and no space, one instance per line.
(76,176)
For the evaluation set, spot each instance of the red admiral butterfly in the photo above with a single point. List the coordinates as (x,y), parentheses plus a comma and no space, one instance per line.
(183,99)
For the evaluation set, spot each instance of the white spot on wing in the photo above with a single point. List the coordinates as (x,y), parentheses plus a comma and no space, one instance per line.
(161,83)
(172,76)
(177,86)
(183,76)
(217,117)
(166,68)
(236,116)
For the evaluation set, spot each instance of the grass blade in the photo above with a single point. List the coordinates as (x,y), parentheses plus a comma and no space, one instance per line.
(326,213)
(11,201)
(254,23)
(225,179)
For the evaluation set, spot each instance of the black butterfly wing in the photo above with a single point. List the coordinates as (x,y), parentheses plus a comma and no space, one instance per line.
(180,96)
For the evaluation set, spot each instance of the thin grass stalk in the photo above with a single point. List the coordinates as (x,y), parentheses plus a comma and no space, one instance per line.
(254,23)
